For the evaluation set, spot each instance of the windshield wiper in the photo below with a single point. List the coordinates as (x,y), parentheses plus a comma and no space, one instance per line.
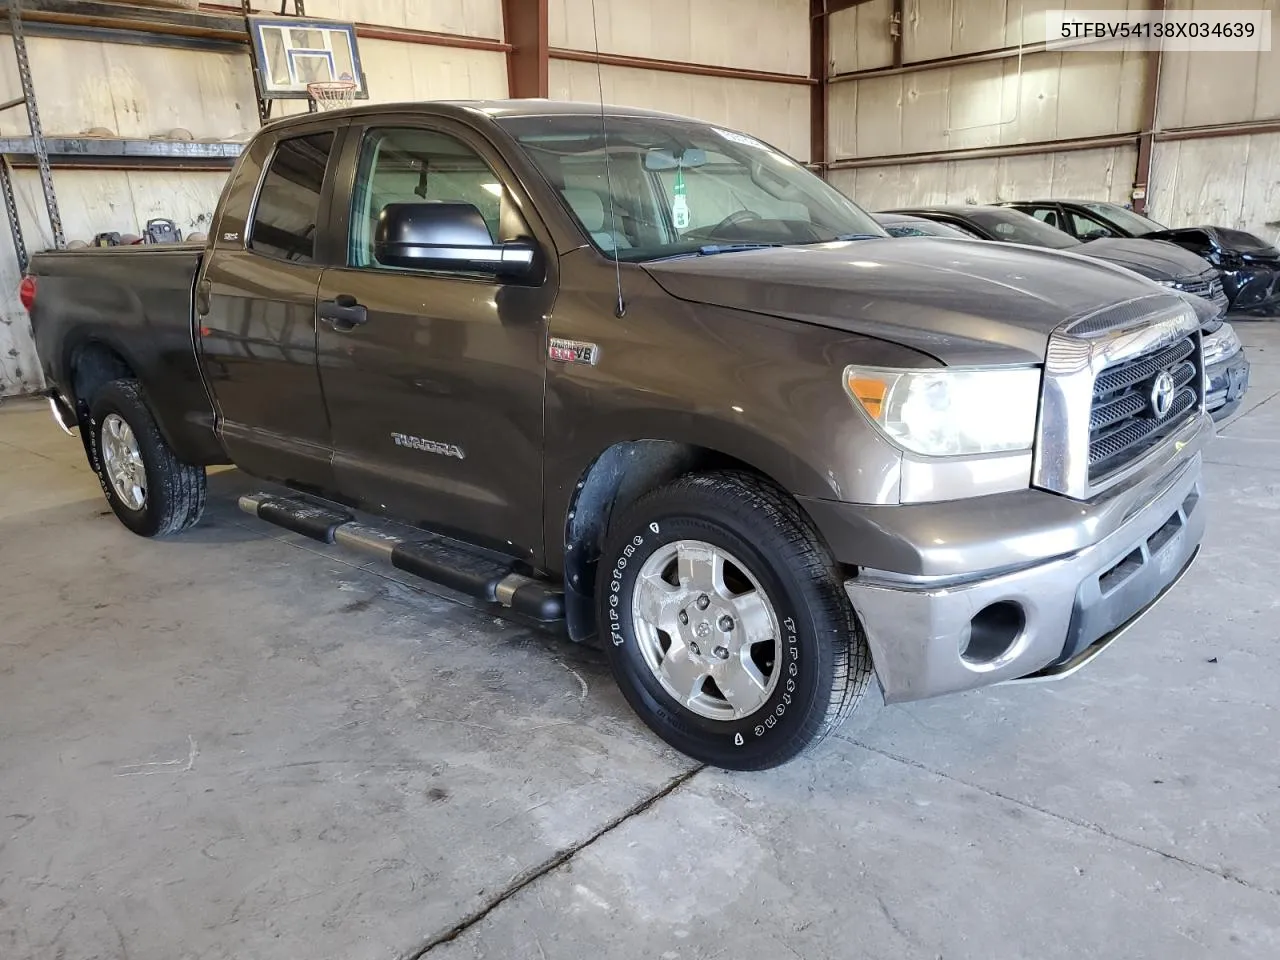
(859,236)
(714,248)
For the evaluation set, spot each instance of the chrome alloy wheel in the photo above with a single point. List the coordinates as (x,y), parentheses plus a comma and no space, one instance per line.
(706,629)
(123,462)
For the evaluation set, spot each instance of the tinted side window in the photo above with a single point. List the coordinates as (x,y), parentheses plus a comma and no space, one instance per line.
(421,166)
(288,208)
(1047,215)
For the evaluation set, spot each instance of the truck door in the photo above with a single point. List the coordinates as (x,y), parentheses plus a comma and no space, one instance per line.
(256,307)
(434,378)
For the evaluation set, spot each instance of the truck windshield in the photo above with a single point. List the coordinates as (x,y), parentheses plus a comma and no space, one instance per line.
(677,187)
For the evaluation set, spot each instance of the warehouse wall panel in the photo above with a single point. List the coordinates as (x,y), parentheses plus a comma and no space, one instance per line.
(475,18)
(770,35)
(860,37)
(947,28)
(1230,181)
(1198,89)
(135,91)
(1043,96)
(777,113)
(1088,174)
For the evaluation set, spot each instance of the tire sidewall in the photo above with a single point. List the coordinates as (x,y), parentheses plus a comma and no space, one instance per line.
(800,693)
(114,399)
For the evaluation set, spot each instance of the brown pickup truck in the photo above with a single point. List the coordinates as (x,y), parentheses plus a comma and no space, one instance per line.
(650,379)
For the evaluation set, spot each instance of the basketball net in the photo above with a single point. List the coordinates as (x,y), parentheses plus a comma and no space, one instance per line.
(332,94)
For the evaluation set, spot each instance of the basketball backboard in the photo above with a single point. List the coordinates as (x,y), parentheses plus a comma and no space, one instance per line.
(290,52)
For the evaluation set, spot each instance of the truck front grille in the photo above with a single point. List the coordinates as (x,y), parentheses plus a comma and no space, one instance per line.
(1127,419)
(1208,287)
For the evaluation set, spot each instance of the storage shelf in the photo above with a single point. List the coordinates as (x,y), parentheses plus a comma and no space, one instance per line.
(112,153)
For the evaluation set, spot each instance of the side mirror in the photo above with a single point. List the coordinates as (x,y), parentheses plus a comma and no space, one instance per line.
(447,236)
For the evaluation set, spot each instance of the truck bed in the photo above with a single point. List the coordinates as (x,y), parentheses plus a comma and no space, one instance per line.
(135,302)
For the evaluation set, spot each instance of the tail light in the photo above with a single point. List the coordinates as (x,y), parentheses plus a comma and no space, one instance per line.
(27,293)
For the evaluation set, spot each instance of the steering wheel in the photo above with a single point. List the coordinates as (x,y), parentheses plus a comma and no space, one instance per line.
(738,216)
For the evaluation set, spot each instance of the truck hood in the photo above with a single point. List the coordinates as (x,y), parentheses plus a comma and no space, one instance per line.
(959,301)
(1156,259)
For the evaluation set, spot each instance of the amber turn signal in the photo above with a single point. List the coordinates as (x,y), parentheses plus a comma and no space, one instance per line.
(868,392)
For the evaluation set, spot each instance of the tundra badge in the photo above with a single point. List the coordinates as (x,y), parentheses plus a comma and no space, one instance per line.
(573,351)
(429,446)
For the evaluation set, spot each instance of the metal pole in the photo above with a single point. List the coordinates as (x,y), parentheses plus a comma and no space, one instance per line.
(11,209)
(33,118)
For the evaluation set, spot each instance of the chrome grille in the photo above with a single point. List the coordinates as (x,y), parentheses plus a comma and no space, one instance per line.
(1123,423)
(1207,285)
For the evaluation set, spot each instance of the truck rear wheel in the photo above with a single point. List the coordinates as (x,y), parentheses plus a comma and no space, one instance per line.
(149,489)
(726,623)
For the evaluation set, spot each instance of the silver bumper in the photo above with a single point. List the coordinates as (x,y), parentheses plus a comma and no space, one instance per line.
(921,629)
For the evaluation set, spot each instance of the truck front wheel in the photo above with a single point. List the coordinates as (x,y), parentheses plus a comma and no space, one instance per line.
(149,489)
(726,623)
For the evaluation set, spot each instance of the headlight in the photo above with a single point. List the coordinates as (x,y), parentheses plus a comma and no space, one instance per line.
(950,413)
(1220,344)
(1169,283)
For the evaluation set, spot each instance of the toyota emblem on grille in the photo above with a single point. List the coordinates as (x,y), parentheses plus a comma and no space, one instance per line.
(1162,394)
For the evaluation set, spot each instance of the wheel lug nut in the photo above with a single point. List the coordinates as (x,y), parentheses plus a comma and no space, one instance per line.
(726,623)
(694,648)
(684,618)
(703,602)
(722,653)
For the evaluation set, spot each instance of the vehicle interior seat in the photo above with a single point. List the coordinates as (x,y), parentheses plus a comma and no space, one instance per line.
(589,207)
(1051,218)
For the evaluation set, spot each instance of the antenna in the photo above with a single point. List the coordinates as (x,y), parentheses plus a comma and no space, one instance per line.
(620,310)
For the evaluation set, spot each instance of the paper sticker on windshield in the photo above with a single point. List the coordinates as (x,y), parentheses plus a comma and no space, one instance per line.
(740,138)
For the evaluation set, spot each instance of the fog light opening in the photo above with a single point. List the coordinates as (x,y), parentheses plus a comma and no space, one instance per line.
(993,632)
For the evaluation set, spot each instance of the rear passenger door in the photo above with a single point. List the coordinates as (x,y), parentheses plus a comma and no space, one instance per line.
(435,399)
(256,305)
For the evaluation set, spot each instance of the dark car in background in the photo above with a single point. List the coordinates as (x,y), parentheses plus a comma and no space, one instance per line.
(1249,265)
(901,225)
(1226,366)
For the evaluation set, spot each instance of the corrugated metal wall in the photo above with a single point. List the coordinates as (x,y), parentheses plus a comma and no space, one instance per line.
(145,91)
(760,35)
(1094,174)
(1043,97)
(1233,181)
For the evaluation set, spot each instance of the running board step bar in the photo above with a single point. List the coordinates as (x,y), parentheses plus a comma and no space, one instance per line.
(431,558)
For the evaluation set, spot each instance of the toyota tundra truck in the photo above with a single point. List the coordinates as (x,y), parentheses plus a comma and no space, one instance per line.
(651,381)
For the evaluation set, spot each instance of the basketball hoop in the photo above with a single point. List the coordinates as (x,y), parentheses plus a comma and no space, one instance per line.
(332,94)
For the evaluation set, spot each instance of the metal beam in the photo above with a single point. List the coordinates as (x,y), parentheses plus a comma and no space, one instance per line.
(1150,104)
(937,63)
(525,24)
(984,153)
(896,27)
(819,67)
(1242,129)
(678,66)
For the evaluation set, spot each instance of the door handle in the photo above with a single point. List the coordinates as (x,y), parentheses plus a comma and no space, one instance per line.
(344,313)
(203,290)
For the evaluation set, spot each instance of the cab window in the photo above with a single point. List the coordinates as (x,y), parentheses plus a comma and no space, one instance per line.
(413,165)
(288,205)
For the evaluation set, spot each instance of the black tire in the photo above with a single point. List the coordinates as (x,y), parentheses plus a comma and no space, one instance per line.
(175,491)
(825,665)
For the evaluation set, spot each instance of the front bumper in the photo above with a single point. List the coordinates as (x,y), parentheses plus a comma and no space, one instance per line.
(1228,380)
(932,635)
(1253,287)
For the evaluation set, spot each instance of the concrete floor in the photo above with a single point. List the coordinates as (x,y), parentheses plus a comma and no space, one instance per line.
(239,744)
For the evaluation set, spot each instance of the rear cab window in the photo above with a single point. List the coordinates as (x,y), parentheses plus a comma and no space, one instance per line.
(286,214)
